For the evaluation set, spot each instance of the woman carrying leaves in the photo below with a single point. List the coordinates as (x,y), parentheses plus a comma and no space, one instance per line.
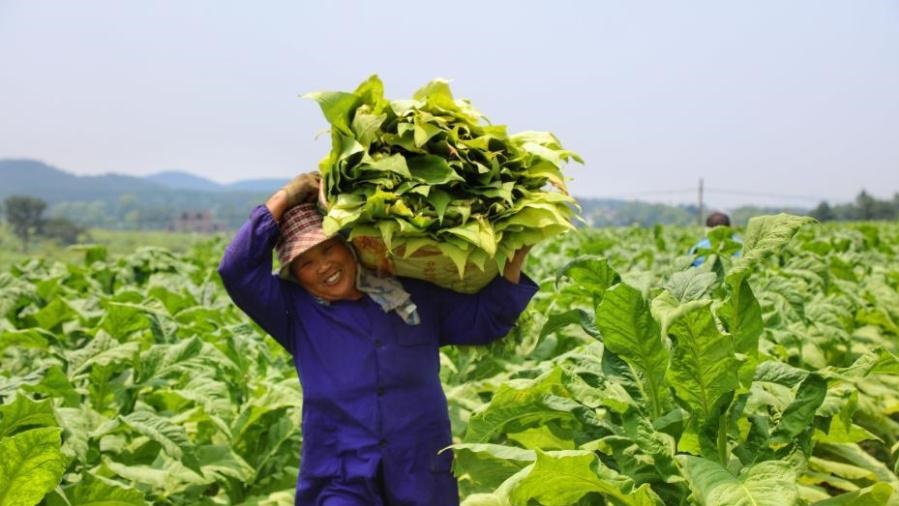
(366,350)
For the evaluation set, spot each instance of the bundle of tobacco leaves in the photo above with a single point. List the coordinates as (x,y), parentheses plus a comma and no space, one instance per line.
(430,172)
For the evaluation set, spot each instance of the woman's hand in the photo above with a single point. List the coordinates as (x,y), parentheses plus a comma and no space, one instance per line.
(302,188)
(512,271)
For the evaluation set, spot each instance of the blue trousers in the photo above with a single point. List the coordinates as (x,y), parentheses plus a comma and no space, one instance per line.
(433,489)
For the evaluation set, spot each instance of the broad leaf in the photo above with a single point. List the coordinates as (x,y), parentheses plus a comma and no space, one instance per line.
(171,437)
(30,466)
(25,413)
(562,478)
(770,483)
(703,366)
(764,236)
(628,330)
(94,491)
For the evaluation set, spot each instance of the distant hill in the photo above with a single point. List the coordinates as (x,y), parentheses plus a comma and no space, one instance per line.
(128,202)
(31,177)
(257,185)
(180,180)
(154,202)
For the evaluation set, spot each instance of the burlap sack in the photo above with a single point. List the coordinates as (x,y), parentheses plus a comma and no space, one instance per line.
(427,263)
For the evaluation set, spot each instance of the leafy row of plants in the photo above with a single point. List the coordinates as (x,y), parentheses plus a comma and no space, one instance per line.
(135,381)
(633,378)
(763,378)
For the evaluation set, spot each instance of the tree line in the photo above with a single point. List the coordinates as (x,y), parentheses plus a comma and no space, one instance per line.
(864,208)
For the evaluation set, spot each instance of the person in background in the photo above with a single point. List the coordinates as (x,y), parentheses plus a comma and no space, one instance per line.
(366,350)
(714,219)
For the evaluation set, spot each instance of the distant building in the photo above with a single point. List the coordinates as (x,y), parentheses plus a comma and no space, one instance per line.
(200,222)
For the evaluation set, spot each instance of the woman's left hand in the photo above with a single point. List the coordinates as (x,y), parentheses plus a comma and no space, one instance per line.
(512,271)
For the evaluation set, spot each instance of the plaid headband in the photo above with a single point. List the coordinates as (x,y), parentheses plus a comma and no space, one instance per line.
(301,229)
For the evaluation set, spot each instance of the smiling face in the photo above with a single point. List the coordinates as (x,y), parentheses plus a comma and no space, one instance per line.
(328,270)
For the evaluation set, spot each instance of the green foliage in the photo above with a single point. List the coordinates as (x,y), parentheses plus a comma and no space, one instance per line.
(771,483)
(865,207)
(62,230)
(763,378)
(134,380)
(429,171)
(633,378)
(32,465)
(24,215)
(115,242)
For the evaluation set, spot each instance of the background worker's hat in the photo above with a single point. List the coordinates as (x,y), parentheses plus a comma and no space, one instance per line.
(301,229)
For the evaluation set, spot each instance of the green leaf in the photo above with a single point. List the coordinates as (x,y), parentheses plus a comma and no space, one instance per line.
(394,163)
(853,456)
(366,126)
(842,469)
(439,199)
(30,466)
(123,318)
(839,433)
(94,491)
(162,360)
(114,354)
(764,236)
(770,483)
(431,169)
(458,256)
(56,384)
(34,338)
(629,331)
(742,314)
(171,437)
(879,494)
(573,316)
(541,437)
(53,314)
(484,500)
(489,465)
(691,284)
(519,404)
(563,478)
(423,132)
(23,413)
(146,475)
(222,462)
(799,415)
(477,233)
(703,366)
(338,108)
(280,498)
(591,275)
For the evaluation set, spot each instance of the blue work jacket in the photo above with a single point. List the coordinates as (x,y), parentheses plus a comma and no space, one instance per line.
(371,386)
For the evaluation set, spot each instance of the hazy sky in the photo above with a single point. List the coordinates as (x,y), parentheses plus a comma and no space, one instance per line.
(797,98)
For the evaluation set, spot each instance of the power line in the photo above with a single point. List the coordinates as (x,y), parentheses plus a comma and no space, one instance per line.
(713,191)
(649,192)
(763,194)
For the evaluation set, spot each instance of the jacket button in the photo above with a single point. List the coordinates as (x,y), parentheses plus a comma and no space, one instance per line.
(382,443)
(377,343)
(380,391)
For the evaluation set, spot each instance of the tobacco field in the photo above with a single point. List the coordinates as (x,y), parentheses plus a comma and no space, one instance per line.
(765,376)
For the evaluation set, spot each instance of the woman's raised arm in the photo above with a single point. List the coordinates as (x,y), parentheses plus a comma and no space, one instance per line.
(246,270)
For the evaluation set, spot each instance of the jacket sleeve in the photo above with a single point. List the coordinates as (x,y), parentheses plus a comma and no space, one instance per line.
(246,271)
(482,317)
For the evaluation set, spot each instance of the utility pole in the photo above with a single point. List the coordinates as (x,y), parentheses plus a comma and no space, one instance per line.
(700,202)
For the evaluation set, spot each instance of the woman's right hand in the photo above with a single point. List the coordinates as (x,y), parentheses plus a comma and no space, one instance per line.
(302,188)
